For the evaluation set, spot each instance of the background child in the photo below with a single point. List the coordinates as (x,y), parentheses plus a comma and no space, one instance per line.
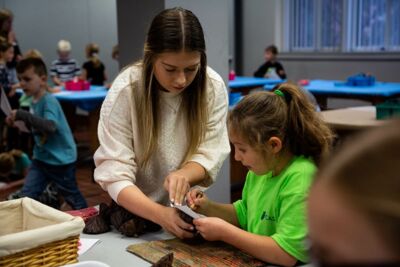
(9,84)
(280,138)
(64,68)
(271,68)
(7,32)
(93,70)
(54,152)
(354,205)
(14,165)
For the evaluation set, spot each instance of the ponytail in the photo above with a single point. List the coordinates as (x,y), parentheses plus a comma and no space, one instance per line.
(306,133)
(285,113)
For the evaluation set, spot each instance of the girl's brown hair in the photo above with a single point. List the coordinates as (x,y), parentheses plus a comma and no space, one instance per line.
(286,114)
(6,16)
(7,160)
(366,173)
(172,30)
(92,51)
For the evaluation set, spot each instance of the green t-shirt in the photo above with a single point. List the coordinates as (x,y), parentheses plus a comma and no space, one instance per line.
(25,101)
(275,206)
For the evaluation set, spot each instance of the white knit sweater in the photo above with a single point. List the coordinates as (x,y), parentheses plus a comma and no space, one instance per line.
(115,159)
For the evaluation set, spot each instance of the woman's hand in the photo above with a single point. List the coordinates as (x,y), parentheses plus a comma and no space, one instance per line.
(211,228)
(197,200)
(177,185)
(171,222)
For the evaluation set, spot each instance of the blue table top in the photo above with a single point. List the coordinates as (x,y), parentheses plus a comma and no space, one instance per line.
(87,100)
(241,81)
(332,88)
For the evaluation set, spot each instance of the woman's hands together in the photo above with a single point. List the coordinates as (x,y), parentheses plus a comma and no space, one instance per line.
(172,222)
(177,184)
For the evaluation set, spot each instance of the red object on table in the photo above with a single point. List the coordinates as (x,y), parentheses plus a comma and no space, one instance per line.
(304,82)
(85,213)
(78,85)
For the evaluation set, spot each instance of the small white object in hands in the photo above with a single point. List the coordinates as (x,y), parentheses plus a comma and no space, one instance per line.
(185,209)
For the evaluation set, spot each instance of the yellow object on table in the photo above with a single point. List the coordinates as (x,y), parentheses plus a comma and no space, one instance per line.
(33,234)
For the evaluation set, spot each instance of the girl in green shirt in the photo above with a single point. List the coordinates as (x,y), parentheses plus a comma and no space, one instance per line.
(280,139)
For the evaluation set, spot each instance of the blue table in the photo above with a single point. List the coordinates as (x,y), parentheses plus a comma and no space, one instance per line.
(242,85)
(88,100)
(252,82)
(322,89)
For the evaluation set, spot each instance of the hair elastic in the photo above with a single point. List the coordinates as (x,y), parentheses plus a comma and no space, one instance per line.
(286,96)
(279,93)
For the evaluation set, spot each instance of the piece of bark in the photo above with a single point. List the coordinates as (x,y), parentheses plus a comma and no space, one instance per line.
(133,227)
(165,261)
(119,217)
(96,225)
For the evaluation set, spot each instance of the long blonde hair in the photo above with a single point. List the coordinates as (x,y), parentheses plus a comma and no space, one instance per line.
(366,174)
(288,115)
(172,30)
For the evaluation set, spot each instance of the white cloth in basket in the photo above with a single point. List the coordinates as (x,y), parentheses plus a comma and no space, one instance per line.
(26,223)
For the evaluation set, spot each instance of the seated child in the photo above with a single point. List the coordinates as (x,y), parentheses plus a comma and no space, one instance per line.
(64,68)
(54,152)
(14,165)
(93,70)
(354,204)
(280,138)
(271,68)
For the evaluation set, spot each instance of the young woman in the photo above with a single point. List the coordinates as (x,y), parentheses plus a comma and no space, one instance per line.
(162,127)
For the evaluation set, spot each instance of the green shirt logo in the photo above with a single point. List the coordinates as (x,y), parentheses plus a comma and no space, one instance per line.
(265,216)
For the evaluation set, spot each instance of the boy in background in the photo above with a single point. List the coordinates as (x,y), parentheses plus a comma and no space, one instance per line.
(271,69)
(54,152)
(64,68)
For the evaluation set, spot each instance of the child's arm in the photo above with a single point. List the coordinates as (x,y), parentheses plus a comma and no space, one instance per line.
(57,81)
(84,74)
(44,125)
(261,247)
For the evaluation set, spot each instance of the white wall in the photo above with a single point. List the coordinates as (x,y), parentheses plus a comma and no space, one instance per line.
(40,24)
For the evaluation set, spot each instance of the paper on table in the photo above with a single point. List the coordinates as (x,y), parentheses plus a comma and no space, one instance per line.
(86,244)
(6,108)
(188,211)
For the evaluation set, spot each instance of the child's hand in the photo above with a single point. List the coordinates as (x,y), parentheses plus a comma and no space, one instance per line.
(197,200)
(211,228)
(177,185)
(11,118)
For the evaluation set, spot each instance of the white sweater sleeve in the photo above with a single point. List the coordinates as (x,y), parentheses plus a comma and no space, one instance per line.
(115,158)
(215,148)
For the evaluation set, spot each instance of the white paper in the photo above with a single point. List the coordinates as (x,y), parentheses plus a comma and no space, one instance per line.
(86,244)
(6,108)
(5,105)
(185,209)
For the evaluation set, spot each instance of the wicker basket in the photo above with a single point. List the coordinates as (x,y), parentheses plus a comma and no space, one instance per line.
(61,228)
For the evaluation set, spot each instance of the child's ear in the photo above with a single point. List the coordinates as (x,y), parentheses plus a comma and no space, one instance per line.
(275,144)
(43,78)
